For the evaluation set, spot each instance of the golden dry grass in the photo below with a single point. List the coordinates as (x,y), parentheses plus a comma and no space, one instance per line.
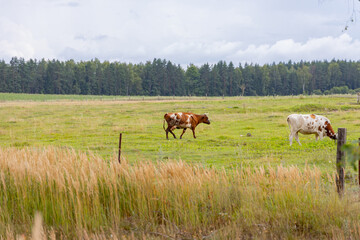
(61,193)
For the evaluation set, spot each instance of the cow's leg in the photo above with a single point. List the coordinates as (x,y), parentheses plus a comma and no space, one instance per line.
(193,130)
(316,137)
(297,138)
(172,133)
(291,138)
(167,133)
(292,135)
(182,133)
(169,130)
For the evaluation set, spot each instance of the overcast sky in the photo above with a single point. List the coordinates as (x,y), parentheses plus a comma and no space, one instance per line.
(182,31)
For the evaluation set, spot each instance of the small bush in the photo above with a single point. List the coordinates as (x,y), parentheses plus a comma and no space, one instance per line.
(317,92)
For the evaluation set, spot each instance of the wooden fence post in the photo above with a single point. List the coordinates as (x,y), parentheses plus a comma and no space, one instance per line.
(340,161)
(120,148)
(359,166)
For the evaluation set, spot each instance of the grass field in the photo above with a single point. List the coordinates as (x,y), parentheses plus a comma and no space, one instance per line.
(63,152)
(82,123)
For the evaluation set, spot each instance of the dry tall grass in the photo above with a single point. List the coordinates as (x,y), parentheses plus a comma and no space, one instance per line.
(83,196)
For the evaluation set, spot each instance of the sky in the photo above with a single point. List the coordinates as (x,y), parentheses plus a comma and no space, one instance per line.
(181,31)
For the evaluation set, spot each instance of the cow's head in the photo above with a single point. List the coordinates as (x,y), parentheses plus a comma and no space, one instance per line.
(205,119)
(329,131)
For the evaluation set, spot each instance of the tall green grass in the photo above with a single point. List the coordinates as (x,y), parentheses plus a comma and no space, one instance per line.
(82,196)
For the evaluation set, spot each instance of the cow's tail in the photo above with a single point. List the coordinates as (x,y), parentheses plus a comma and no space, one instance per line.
(288,121)
(164,122)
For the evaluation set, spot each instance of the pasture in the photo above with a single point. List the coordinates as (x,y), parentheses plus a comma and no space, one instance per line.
(58,156)
(94,124)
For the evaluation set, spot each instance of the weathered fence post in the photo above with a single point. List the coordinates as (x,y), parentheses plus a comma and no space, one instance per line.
(340,161)
(120,148)
(358,97)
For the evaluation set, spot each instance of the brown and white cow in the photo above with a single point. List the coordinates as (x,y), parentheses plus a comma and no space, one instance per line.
(183,120)
(309,124)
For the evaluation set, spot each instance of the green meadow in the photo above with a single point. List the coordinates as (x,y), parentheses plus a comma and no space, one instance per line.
(93,123)
(239,179)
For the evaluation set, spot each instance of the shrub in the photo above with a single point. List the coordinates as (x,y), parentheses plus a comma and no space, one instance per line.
(317,92)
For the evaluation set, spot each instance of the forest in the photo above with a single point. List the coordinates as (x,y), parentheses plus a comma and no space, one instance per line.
(161,77)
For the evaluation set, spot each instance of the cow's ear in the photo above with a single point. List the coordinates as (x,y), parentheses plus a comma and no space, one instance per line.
(206,114)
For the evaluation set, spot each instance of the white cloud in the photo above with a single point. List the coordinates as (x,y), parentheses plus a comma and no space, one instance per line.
(184,53)
(18,41)
(325,48)
(183,32)
(210,49)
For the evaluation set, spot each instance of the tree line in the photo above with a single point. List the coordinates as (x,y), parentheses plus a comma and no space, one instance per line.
(162,77)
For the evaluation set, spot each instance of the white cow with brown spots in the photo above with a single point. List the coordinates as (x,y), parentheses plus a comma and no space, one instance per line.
(183,120)
(309,124)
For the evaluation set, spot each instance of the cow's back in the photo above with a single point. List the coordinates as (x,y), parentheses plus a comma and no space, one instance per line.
(179,119)
(307,123)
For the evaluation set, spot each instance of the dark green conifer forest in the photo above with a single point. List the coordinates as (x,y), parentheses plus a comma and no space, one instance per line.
(164,78)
